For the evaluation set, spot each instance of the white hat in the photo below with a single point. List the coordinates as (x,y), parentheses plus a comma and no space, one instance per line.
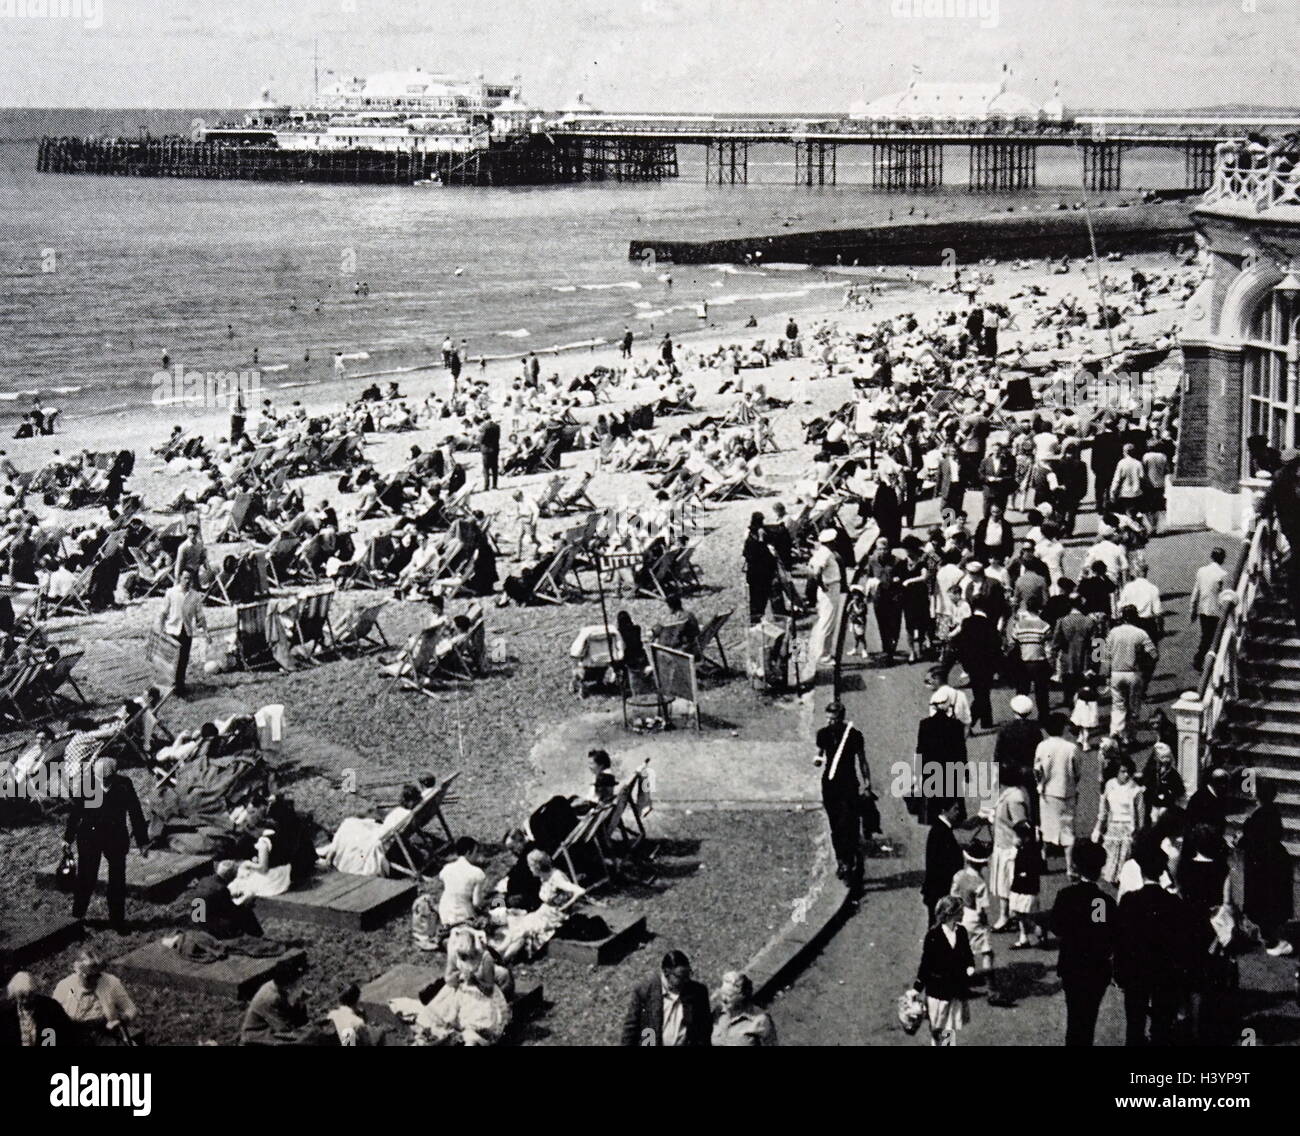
(1022,705)
(828,536)
(942,696)
(974,566)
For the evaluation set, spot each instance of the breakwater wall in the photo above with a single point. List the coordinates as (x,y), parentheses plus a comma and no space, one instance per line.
(1159,225)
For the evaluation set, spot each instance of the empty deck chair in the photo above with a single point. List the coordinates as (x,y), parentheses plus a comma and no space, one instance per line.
(559,580)
(711,639)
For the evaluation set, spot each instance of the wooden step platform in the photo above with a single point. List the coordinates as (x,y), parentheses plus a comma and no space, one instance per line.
(406,980)
(338,899)
(627,929)
(25,939)
(235,977)
(158,878)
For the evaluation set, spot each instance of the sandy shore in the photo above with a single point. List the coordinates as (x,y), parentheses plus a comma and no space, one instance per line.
(141,430)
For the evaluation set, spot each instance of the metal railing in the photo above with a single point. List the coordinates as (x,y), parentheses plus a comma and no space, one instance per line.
(1219,678)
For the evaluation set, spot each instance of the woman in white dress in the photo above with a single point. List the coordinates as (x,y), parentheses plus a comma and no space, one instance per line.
(256,876)
(532,930)
(1120,816)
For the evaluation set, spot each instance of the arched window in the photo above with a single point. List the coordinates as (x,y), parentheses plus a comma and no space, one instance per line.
(1270,409)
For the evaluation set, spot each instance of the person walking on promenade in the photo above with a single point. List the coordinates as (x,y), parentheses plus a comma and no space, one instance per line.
(1030,632)
(1084,922)
(1151,954)
(826,571)
(1128,485)
(1143,597)
(941,755)
(1056,768)
(1013,807)
(738,1021)
(846,780)
(1132,657)
(1121,814)
(978,648)
(947,966)
(943,857)
(489,445)
(670,1008)
(1205,606)
(762,571)
(102,822)
(1017,742)
(1072,648)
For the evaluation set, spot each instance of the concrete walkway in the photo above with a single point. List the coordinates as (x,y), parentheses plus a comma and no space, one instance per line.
(848,995)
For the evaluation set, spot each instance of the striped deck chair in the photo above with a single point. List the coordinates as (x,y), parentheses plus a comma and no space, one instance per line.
(312,629)
(251,645)
(15,698)
(43,781)
(360,628)
(28,602)
(398,845)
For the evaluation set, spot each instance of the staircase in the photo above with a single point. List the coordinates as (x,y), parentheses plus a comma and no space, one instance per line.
(1255,675)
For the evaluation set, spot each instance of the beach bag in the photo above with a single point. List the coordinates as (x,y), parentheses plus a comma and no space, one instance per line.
(911,1010)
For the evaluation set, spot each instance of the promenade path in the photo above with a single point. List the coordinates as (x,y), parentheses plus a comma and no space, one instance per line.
(848,994)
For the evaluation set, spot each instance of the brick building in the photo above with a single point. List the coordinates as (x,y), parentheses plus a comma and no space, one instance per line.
(1240,347)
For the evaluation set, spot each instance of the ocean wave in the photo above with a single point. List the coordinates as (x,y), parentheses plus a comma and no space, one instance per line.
(564,288)
(16,395)
(580,343)
(65,390)
(518,333)
(781,266)
(272,370)
(653,314)
(732,270)
(631,285)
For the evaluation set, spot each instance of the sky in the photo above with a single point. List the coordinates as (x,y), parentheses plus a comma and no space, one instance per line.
(706,56)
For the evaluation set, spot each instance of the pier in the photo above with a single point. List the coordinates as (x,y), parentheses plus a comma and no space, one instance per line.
(905,154)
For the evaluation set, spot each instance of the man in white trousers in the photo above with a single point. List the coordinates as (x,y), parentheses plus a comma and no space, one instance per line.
(827,570)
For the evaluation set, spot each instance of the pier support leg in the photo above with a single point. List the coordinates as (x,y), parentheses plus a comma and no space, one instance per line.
(907,165)
(1102,162)
(1199,164)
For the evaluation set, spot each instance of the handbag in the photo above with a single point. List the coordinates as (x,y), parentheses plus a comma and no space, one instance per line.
(65,876)
(911,1010)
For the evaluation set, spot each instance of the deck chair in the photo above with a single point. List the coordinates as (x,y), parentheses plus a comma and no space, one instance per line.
(462,656)
(234,523)
(615,837)
(593,869)
(28,601)
(663,576)
(312,628)
(553,586)
(711,637)
(78,596)
(397,844)
(154,580)
(40,786)
(551,498)
(47,689)
(258,644)
(418,661)
(16,697)
(281,556)
(575,496)
(360,628)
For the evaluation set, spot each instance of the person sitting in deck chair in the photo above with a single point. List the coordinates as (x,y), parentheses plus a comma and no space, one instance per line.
(682,631)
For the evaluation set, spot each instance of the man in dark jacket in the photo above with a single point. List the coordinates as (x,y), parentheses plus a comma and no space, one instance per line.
(669,1009)
(762,571)
(1017,741)
(1152,933)
(978,647)
(998,478)
(30,1018)
(1208,804)
(489,445)
(841,753)
(1083,919)
(104,803)
(943,858)
(941,757)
